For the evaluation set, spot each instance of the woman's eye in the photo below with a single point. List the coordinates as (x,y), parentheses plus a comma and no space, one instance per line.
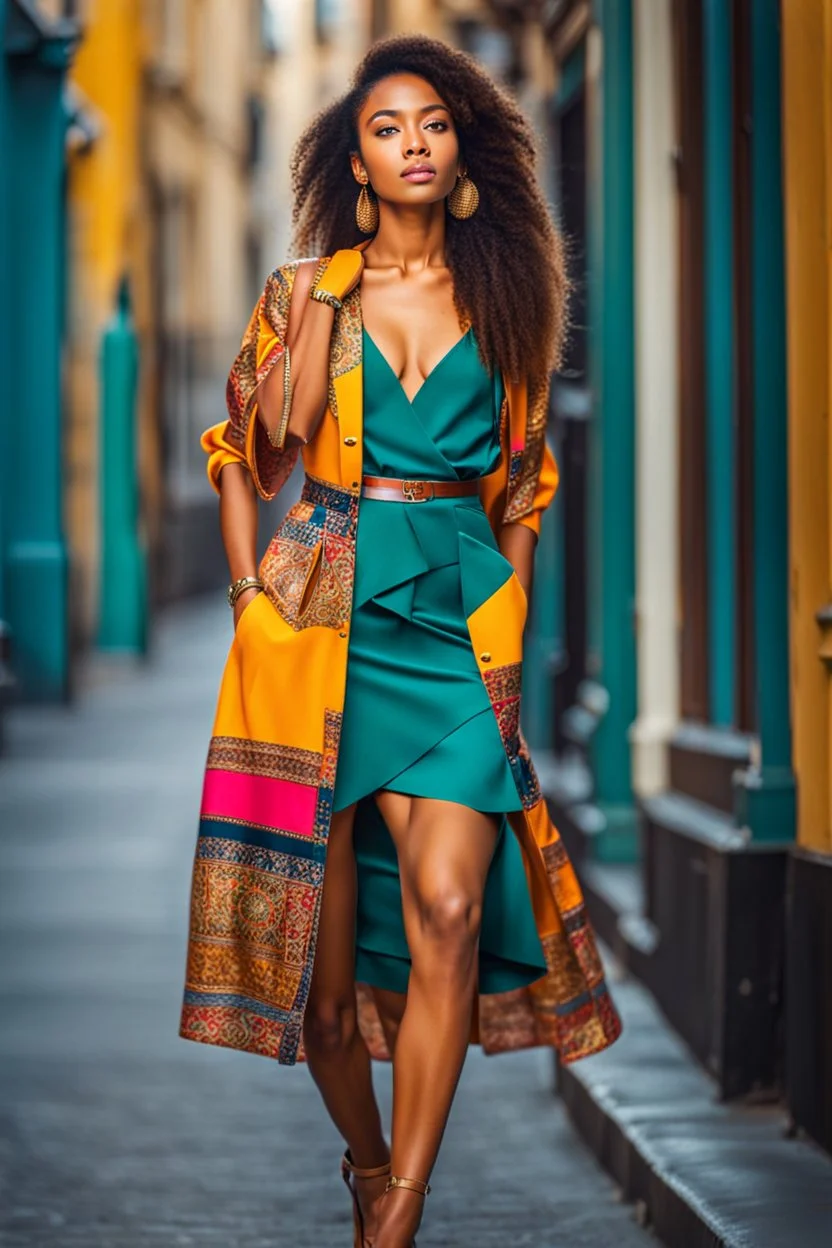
(443,125)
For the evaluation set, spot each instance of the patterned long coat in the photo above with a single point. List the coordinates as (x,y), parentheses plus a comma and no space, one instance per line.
(270,773)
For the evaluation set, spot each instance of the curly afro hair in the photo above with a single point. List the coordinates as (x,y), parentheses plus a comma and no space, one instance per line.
(507,260)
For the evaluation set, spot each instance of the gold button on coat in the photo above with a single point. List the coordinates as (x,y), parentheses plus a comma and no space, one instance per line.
(350,441)
(485,657)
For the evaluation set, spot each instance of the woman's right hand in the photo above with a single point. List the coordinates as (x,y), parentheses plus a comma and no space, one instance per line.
(242,602)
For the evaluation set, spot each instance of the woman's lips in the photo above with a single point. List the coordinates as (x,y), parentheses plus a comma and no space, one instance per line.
(419,175)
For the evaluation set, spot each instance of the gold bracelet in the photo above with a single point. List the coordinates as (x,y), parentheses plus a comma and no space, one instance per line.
(325,296)
(278,438)
(240,586)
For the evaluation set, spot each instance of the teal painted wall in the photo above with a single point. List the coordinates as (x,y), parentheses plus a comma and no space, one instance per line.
(771,563)
(612,479)
(766,795)
(34,554)
(719,358)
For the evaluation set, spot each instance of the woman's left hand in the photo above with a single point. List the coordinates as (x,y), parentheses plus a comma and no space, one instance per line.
(243,601)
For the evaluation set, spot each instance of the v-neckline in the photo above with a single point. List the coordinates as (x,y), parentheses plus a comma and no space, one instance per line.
(410,402)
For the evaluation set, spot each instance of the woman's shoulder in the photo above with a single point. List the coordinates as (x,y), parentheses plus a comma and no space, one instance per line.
(280,284)
(293,278)
(290,268)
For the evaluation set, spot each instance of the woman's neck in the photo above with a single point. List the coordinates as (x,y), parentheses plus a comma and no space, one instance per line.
(408,239)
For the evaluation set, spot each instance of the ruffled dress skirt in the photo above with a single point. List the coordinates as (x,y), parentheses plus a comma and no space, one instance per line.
(417,718)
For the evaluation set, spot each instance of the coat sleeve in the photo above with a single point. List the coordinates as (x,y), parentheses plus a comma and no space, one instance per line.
(533,473)
(544,490)
(241,438)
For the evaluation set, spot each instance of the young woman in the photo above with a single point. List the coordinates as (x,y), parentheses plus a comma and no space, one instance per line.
(368,718)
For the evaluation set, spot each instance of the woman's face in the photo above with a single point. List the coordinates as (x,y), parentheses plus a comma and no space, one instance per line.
(405,124)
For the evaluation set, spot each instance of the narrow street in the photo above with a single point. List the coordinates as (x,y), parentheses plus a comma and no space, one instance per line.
(116,1132)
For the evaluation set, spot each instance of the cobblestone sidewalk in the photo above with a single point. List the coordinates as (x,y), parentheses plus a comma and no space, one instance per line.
(117,1134)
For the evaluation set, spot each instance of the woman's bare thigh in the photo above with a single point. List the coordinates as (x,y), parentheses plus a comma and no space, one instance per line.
(333,976)
(442,847)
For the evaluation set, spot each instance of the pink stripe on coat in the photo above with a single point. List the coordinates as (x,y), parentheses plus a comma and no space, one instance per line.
(280,804)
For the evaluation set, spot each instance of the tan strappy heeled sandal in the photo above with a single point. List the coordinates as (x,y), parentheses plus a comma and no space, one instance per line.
(350,1172)
(412,1185)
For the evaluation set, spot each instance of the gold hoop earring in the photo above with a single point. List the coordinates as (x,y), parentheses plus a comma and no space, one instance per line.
(464,199)
(366,211)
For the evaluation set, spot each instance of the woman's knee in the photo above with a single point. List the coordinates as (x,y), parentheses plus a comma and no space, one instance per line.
(448,915)
(330,1025)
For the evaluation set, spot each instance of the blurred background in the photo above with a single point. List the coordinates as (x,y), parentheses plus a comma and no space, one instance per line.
(677,678)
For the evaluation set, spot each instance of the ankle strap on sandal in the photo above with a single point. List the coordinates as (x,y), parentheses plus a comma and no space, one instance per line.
(412,1185)
(349,1167)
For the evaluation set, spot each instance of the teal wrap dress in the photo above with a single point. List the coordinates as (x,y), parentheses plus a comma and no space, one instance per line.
(417,718)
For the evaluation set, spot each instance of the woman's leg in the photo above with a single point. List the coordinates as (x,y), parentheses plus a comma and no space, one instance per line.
(444,852)
(335,1051)
(390,1007)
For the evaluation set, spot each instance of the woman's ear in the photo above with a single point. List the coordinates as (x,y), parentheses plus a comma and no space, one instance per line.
(358,170)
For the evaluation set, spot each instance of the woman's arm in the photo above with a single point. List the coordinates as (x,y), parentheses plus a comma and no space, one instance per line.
(309,334)
(238,526)
(518,543)
(518,537)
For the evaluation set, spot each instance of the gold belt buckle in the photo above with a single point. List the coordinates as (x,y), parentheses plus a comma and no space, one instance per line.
(416,491)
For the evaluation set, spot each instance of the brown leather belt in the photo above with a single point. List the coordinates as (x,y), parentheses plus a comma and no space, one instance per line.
(394,490)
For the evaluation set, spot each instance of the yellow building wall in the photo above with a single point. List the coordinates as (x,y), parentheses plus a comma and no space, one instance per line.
(163,194)
(807,128)
(107,238)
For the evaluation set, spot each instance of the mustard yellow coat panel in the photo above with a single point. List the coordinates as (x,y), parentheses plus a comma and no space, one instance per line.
(270,772)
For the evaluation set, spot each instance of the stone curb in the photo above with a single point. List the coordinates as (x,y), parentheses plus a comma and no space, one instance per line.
(704,1172)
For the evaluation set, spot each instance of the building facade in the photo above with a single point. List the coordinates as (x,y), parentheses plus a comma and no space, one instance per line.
(807,133)
(142,128)
(688,675)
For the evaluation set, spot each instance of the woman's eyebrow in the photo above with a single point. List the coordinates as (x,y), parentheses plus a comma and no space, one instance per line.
(396,112)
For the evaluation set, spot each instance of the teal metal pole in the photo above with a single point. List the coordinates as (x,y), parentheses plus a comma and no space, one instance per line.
(123,594)
(719,357)
(614,444)
(36,562)
(766,793)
